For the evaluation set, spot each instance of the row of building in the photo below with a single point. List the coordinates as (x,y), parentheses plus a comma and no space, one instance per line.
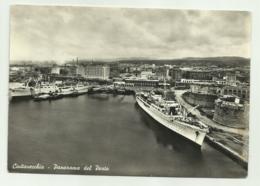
(144,71)
(101,72)
(88,71)
(241,90)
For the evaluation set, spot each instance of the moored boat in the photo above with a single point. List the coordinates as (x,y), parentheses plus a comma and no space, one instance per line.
(173,116)
(45,88)
(41,97)
(55,95)
(68,91)
(20,91)
(82,89)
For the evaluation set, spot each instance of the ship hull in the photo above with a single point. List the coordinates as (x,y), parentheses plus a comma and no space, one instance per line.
(19,97)
(42,98)
(45,90)
(189,133)
(20,94)
(83,90)
(69,94)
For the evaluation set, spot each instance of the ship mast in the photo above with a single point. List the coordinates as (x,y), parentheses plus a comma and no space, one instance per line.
(164,87)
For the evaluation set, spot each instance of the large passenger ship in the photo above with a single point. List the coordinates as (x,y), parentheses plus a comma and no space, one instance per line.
(173,116)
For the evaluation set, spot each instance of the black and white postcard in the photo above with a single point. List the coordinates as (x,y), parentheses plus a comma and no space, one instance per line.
(129,91)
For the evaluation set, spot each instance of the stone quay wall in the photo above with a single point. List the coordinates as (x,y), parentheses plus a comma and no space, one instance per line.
(203,100)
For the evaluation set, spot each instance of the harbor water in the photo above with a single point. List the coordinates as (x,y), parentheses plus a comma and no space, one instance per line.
(107,131)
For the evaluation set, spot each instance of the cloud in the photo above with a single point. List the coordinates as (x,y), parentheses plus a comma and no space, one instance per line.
(62,33)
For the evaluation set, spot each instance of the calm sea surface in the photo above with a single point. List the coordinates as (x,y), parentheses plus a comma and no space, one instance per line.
(108,131)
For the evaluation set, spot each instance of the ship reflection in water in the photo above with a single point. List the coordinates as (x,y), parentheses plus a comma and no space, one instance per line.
(109,131)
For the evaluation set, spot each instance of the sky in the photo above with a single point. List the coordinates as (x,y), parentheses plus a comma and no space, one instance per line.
(62,33)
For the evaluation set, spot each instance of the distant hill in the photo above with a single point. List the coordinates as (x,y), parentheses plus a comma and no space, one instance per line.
(28,63)
(190,61)
(209,61)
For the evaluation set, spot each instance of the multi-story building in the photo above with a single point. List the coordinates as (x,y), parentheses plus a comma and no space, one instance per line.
(205,88)
(141,83)
(146,74)
(114,70)
(94,71)
(231,79)
(194,81)
(242,91)
(175,73)
(197,74)
(55,70)
(162,72)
